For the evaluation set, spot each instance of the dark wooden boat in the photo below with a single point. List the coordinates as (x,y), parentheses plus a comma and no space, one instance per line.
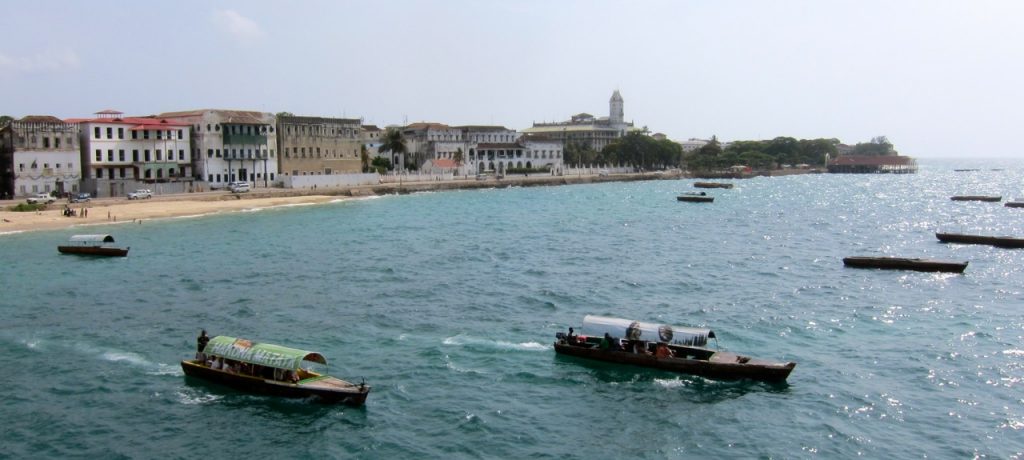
(688,355)
(976,198)
(900,263)
(712,185)
(696,197)
(92,245)
(272,370)
(998,241)
(1018,203)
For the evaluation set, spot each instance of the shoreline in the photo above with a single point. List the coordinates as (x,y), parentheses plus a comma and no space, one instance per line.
(118,211)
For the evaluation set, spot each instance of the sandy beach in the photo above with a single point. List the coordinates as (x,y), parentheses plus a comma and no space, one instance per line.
(119,210)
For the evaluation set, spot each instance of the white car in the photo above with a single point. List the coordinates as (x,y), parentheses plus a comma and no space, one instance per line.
(238,187)
(140,194)
(44,198)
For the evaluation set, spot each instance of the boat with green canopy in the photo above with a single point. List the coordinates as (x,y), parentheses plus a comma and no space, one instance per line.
(271,369)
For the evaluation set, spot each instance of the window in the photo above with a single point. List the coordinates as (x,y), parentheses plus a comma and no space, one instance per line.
(180,135)
(208,130)
(135,155)
(110,155)
(99,173)
(69,166)
(181,155)
(160,134)
(56,142)
(96,132)
(21,166)
(122,173)
(145,134)
(120,135)
(46,142)
(99,155)
(110,133)
(210,176)
(120,157)
(218,156)
(209,154)
(159,155)
(145,154)
(135,134)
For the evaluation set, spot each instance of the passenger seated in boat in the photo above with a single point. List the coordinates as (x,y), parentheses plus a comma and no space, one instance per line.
(570,338)
(662,351)
(609,343)
(217,363)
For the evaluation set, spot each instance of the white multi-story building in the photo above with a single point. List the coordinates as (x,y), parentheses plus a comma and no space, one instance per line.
(231,145)
(594,133)
(120,154)
(490,149)
(39,154)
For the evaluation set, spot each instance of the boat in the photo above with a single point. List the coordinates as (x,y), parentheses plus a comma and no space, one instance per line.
(998,241)
(976,198)
(694,197)
(272,370)
(901,263)
(1018,203)
(665,347)
(92,245)
(712,185)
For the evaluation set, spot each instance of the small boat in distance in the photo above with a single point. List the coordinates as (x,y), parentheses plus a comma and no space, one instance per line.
(271,369)
(976,198)
(92,245)
(1018,203)
(901,263)
(712,185)
(664,347)
(694,197)
(998,241)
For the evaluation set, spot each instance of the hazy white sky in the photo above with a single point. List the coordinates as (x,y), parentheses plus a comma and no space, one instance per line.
(939,78)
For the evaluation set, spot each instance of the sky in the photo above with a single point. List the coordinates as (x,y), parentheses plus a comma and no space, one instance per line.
(939,78)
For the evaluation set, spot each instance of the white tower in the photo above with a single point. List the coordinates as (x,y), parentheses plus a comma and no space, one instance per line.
(616,115)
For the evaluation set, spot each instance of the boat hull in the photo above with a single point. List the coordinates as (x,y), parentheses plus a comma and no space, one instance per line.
(1014,204)
(710,368)
(976,198)
(326,391)
(998,241)
(695,199)
(712,185)
(101,251)
(899,263)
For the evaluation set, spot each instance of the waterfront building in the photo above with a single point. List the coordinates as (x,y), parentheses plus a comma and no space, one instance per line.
(692,144)
(484,148)
(588,131)
(319,146)
(120,154)
(371,135)
(231,145)
(427,141)
(872,164)
(39,154)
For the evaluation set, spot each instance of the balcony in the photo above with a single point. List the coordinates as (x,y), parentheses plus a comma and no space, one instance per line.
(244,139)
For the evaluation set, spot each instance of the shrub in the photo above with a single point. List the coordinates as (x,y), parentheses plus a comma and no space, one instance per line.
(27,207)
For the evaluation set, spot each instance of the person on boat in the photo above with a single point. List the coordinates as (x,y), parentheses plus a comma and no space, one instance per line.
(201,342)
(571,337)
(662,351)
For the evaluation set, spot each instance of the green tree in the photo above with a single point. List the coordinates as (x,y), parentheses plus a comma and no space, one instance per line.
(381,164)
(5,119)
(393,142)
(879,145)
(457,157)
(364,158)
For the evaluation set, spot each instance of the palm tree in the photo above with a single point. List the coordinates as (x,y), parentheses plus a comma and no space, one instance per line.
(393,142)
(457,157)
(364,158)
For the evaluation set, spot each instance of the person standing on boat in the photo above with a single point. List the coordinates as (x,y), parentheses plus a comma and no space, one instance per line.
(571,337)
(201,342)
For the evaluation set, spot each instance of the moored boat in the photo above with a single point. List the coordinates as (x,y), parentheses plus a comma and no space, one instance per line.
(901,263)
(271,369)
(998,241)
(1018,203)
(665,347)
(694,197)
(92,245)
(976,198)
(712,185)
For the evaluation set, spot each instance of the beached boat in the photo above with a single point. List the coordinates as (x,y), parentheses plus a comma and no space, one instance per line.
(92,245)
(694,197)
(999,241)
(712,185)
(664,347)
(976,198)
(901,263)
(1018,203)
(272,370)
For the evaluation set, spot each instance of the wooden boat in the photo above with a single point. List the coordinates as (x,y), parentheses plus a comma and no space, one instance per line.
(694,197)
(976,198)
(688,354)
(1018,203)
(712,185)
(900,263)
(92,245)
(273,370)
(998,241)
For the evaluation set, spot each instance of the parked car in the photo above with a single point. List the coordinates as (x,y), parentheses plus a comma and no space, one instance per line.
(44,198)
(80,197)
(238,187)
(140,194)
(602,173)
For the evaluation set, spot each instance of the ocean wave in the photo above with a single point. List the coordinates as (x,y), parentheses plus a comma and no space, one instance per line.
(462,340)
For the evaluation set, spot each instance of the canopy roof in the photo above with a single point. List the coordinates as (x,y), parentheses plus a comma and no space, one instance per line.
(264,354)
(624,328)
(91,239)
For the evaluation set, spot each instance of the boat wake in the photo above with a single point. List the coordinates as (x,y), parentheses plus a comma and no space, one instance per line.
(477,342)
(196,398)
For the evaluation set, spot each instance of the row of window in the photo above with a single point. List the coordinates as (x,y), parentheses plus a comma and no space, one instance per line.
(231,177)
(34,142)
(135,155)
(321,131)
(238,129)
(34,165)
(238,154)
(122,173)
(158,133)
(22,190)
(300,152)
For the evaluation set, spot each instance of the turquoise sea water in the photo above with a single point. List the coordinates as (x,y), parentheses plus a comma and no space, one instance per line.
(447,304)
